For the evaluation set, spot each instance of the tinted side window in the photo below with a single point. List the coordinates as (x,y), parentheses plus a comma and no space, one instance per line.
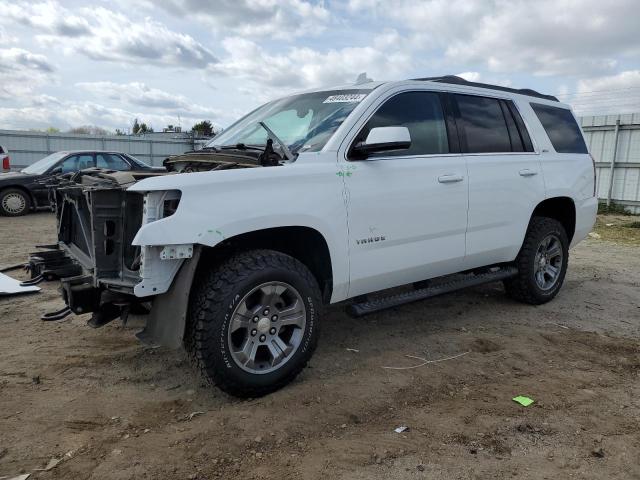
(561,127)
(77,162)
(421,113)
(482,124)
(112,162)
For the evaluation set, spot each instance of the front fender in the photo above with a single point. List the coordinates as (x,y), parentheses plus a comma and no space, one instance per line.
(216,206)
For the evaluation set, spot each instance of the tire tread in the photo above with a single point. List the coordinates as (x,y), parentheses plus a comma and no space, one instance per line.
(519,287)
(208,304)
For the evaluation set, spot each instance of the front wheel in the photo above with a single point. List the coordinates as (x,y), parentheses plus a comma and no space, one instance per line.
(254,322)
(14,202)
(542,263)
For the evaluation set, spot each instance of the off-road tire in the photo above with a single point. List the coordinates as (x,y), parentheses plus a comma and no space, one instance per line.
(523,287)
(213,299)
(16,192)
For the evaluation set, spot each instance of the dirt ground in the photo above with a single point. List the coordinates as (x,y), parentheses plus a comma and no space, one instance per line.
(110,408)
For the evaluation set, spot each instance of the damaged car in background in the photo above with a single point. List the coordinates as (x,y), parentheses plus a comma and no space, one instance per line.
(322,197)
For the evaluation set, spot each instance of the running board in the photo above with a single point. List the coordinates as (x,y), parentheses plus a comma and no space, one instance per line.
(382,303)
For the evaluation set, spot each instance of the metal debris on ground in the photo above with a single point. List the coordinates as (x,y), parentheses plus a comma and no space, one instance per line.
(353,350)
(11,286)
(401,429)
(522,400)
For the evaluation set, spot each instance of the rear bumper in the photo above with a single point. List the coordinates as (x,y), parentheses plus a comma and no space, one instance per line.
(586,211)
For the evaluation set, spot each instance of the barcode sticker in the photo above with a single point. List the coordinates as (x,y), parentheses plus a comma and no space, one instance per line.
(346,98)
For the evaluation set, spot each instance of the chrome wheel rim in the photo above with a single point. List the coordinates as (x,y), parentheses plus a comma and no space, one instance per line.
(14,203)
(267,327)
(548,262)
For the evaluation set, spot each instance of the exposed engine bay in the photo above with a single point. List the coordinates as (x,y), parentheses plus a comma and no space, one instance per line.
(212,158)
(100,268)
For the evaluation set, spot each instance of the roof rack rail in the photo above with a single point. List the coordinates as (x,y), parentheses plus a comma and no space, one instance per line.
(453,79)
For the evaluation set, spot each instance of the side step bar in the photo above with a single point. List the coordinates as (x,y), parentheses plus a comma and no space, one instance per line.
(382,303)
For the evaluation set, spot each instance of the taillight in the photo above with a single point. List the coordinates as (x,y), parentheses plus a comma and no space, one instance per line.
(593,162)
(6,165)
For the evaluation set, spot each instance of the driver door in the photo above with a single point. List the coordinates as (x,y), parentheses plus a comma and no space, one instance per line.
(407,209)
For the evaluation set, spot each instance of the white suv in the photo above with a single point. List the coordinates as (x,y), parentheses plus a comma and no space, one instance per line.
(433,184)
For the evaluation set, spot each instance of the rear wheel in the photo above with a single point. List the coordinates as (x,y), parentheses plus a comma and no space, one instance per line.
(542,263)
(254,322)
(14,202)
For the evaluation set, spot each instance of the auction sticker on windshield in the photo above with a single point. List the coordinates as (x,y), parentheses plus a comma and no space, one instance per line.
(346,98)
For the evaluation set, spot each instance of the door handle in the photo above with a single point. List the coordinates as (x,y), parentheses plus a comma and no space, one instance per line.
(450,178)
(526,172)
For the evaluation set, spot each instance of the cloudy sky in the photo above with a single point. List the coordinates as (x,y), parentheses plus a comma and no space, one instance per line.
(70,63)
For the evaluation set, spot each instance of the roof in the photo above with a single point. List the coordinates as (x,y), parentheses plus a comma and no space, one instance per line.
(447,79)
(455,80)
(68,152)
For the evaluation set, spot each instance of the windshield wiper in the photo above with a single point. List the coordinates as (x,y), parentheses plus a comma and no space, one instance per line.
(242,146)
(287,153)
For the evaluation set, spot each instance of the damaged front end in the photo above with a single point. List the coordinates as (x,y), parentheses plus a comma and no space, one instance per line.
(98,219)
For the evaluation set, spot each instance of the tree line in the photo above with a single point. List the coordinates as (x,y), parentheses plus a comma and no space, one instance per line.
(202,129)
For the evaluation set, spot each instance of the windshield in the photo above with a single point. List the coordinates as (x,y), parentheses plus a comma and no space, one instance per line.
(44,164)
(303,122)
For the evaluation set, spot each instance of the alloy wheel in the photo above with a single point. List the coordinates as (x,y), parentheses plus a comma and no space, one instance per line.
(267,327)
(548,262)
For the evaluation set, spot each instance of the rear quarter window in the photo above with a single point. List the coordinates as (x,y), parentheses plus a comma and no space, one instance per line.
(561,128)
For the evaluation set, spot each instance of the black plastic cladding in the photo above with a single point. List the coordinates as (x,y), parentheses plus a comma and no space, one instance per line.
(455,80)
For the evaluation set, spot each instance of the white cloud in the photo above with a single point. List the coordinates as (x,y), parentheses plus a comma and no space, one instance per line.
(546,37)
(103,34)
(45,16)
(140,95)
(623,80)
(5,38)
(115,50)
(300,67)
(50,111)
(618,93)
(281,19)
(22,71)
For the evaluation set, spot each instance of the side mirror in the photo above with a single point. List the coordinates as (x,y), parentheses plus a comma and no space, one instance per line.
(383,139)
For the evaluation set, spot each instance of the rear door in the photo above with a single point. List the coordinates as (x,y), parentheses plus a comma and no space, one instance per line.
(505,177)
(407,210)
(111,161)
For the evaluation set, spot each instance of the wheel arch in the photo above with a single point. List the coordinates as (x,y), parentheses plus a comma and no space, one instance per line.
(562,209)
(306,244)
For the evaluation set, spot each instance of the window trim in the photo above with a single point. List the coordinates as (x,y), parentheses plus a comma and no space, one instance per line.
(449,122)
(500,100)
(522,126)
